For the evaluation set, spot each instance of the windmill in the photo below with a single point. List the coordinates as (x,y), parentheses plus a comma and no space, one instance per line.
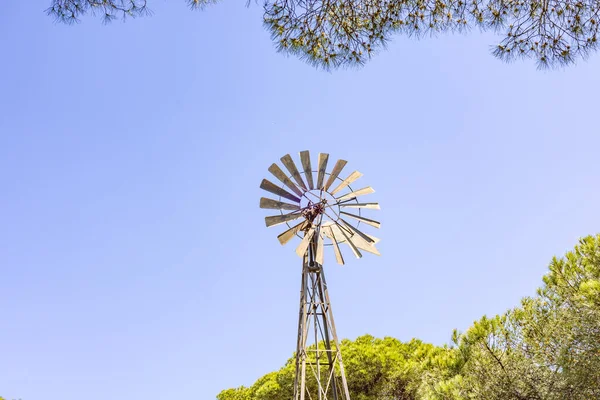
(330,215)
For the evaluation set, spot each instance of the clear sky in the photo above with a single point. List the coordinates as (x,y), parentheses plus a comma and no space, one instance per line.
(134,259)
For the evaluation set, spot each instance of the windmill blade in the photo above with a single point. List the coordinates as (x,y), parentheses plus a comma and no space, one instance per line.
(323,157)
(334,228)
(271,187)
(337,168)
(372,206)
(373,238)
(280,219)
(319,255)
(346,230)
(305,159)
(289,164)
(368,221)
(362,241)
(357,231)
(353,176)
(336,248)
(277,205)
(279,174)
(303,246)
(356,193)
(290,233)
(352,245)
(361,244)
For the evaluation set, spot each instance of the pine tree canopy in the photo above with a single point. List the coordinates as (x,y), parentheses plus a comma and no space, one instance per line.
(337,33)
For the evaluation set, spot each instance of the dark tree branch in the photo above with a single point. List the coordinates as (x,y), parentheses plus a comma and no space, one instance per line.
(336,33)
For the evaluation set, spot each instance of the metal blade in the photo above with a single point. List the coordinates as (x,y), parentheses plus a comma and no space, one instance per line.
(319,255)
(357,231)
(356,193)
(361,244)
(289,164)
(368,221)
(372,206)
(271,187)
(353,176)
(352,245)
(375,239)
(338,167)
(277,205)
(280,219)
(303,246)
(346,230)
(279,174)
(335,228)
(362,241)
(323,157)
(290,233)
(336,248)
(305,159)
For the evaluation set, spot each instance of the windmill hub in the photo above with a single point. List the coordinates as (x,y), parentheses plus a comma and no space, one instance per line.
(313,210)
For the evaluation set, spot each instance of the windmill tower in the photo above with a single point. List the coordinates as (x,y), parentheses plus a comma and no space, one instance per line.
(323,208)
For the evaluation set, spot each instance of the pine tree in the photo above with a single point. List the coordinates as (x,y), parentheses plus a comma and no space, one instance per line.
(336,33)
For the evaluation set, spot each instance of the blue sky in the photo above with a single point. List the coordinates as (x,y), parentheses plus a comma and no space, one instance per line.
(134,258)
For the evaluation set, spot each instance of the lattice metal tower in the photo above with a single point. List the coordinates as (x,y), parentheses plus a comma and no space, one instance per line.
(323,208)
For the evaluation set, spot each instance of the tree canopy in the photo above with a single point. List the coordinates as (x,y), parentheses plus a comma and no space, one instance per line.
(336,33)
(547,348)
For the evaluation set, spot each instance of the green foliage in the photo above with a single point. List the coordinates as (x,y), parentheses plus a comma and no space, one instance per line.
(548,348)
(70,11)
(334,33)
(376,369)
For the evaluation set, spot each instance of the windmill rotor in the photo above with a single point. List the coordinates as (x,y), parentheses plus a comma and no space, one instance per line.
(329,209)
